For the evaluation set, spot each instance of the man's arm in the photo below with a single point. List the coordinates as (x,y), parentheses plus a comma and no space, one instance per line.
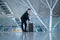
(28,18)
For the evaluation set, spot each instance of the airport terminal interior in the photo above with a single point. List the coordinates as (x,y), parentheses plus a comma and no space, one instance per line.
(44,16)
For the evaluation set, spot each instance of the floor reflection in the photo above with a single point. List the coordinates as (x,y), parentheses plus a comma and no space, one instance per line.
(29,36)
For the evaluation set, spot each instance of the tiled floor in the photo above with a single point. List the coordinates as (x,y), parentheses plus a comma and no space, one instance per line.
(29,36)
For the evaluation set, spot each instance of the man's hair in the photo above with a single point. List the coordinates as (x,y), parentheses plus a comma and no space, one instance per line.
(28,9)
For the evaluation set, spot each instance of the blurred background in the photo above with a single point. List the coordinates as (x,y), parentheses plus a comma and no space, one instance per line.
(45,15)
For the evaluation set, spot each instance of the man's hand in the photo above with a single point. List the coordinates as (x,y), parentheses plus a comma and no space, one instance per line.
(28,19)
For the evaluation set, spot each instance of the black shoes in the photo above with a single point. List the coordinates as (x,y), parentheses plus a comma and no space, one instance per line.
(25,31)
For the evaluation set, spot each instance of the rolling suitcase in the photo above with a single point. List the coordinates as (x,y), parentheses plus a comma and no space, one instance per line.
(30,27)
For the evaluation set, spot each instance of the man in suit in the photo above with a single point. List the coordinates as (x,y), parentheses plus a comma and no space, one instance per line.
(24,18)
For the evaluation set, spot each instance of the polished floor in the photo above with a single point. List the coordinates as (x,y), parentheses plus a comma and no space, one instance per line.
(29,36)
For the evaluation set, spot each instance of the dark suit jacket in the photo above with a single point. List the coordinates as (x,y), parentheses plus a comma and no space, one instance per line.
(25,17)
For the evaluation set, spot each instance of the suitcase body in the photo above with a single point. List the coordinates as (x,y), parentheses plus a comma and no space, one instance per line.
(30,27)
